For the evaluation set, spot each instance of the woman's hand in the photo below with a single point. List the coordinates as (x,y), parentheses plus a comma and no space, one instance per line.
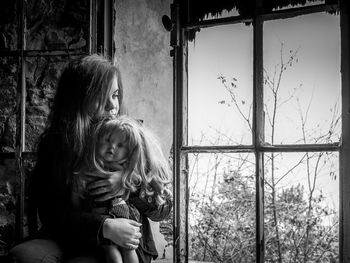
(105,186)
(123,232)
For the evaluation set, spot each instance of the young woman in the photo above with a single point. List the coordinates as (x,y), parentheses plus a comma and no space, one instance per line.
(123,143)
(89,88)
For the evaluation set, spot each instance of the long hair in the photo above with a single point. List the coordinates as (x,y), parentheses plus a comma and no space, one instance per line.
(145,160)
(80,99)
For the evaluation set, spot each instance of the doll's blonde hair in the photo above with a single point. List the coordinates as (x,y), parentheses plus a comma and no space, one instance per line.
(145,160)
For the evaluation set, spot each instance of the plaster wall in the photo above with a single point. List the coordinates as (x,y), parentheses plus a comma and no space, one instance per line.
(143,55)
(142,52)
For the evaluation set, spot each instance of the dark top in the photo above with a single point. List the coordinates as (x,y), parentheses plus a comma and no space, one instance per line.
(50,193)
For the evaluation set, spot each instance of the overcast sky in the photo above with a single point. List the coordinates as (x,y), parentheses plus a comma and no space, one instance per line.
(314,79)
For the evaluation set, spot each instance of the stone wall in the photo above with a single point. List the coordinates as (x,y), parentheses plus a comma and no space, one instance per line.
(51,25)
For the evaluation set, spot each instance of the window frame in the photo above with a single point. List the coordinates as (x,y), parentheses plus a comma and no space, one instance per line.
(179,42)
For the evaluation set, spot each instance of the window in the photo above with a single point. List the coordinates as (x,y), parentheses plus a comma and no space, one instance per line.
(259,136)
(38,38)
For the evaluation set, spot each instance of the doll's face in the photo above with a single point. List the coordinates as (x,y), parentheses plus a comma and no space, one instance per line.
(113,147)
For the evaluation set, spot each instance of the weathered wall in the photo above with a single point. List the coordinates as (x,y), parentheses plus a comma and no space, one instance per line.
(50,25)
(143,55)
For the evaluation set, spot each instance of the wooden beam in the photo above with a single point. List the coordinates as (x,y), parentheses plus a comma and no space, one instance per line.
(263,148)
(219,21)
(108,28)
(217,149)
(258,131)
(293,12)
(20,122)
(265,15)
(179,211)
(344,178)
(92,43)
(301,148)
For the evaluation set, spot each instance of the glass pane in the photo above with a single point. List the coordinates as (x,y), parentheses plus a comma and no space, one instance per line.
(8,103)
(220,86)
(28,165)
(289,6)
(301,207)
(221,212)
(302,80)
(57,25)
(41,80)
(8,25)
(8,185)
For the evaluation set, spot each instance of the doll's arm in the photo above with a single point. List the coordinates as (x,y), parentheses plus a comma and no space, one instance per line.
(148,204)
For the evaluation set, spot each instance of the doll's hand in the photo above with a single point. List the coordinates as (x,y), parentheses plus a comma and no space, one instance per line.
(123,232)
(167,194)
(155,193)
(157,186)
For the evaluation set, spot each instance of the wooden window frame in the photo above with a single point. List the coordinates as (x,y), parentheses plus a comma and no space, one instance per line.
(179,43)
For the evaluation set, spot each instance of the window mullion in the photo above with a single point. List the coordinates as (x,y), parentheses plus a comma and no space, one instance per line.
(258,131)
(180,209)
(92,43)
(20,122)
(108,28)
(344,208)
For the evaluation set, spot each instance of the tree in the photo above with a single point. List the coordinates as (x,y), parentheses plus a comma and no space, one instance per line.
(224,230)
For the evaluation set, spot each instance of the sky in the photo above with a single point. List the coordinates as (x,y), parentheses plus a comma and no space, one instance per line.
(309,89)
(227,50)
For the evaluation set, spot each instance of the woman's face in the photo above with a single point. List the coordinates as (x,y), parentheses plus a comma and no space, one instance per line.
(112,103)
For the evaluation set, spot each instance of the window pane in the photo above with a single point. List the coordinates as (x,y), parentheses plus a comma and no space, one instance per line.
(42,75)
(8,103)
(28,165)
(302,80)
(220,86)
(49,24)
(301,207)
(221,212)
(8,204)
(8,25)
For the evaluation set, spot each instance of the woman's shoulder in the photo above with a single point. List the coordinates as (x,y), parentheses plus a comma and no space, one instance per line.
(49,137)
(49,141)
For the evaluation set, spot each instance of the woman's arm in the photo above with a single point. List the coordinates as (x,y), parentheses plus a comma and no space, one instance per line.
(60,219)
(123,232)
(107,186)
(52,193)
